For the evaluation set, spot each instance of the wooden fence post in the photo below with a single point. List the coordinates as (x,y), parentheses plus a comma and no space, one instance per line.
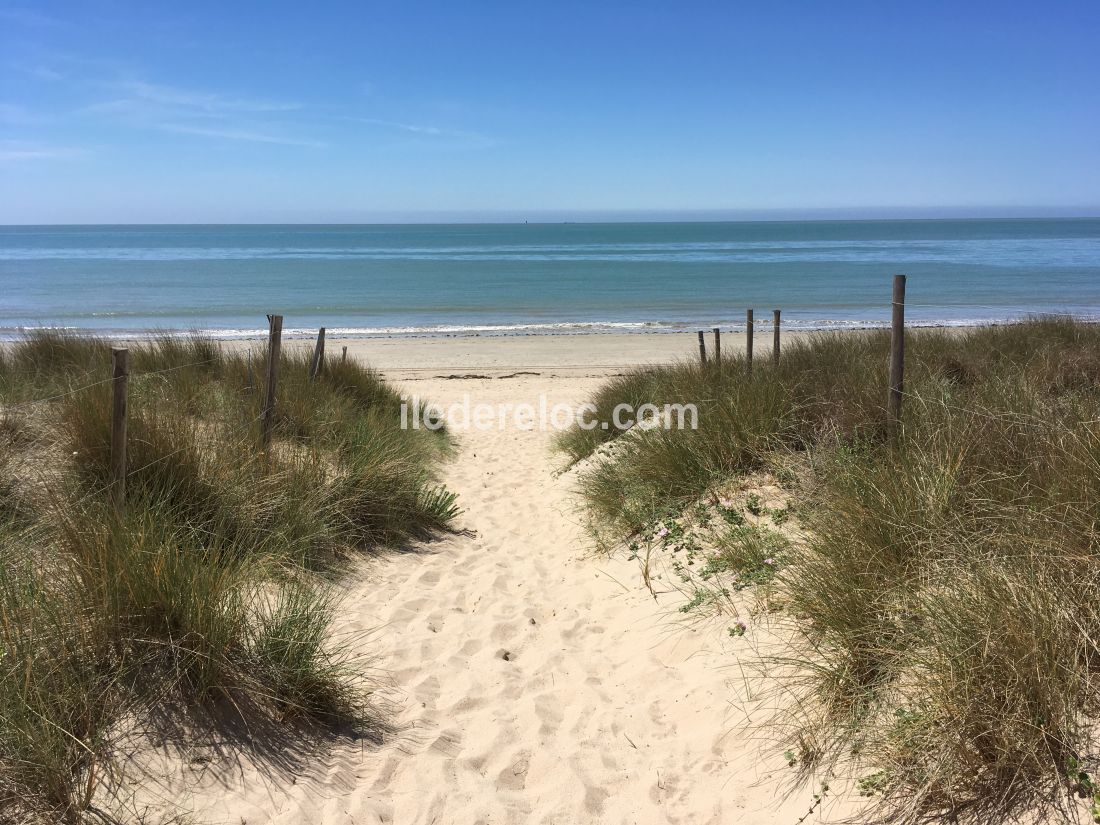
(748,339)
(702,349)
(317,364)
(775,335)
(120,377)
(274,347)
(897,359)
(344,355)
(717,345)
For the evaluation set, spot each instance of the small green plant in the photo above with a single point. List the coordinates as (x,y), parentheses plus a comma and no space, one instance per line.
(874,784)
(818,799)
(698,599)
(729,513)
(780,515)
(1083,785)
(755,554)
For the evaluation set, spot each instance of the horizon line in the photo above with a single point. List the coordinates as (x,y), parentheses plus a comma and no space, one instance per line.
(596,216)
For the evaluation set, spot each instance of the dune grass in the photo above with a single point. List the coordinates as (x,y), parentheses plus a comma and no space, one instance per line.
(213,586)
(944,607)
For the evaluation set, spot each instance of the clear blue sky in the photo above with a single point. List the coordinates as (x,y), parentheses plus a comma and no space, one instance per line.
(114,111)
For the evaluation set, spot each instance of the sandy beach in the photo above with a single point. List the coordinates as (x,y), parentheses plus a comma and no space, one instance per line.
(528,679)
(595,354)
(549,414)
(517,670)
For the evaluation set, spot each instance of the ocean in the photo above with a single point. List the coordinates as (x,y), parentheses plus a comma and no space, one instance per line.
(499,279)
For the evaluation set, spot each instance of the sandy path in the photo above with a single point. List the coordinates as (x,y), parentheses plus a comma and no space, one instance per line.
(542,670)
(534,683)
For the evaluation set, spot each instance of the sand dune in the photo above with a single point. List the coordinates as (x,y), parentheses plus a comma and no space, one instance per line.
(530,681)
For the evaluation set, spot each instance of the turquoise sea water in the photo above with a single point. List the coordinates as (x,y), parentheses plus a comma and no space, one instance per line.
(518,278)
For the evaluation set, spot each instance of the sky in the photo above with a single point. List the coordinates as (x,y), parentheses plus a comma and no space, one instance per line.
(208,112)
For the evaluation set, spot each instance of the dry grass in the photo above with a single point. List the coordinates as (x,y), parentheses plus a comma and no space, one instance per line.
(208,587)
(943,608)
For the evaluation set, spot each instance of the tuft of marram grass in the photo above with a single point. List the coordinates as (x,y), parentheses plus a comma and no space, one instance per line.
(290,653)
(200,591)
(944,607)
(56,700)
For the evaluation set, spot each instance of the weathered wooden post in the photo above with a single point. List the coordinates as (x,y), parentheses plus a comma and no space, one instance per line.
(775,335)
(274,346)
(702,349)
(748,339)
(120,378)
(344,355)
(317,363)
(897,360)
(717,345)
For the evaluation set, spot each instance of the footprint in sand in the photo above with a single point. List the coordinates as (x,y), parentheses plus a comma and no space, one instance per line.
(549,712)
(514,777)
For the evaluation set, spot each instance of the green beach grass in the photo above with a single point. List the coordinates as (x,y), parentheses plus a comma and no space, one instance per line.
(941,597)
(214,588)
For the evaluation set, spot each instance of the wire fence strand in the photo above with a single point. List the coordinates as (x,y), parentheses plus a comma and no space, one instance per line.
(239,433)
(147,374)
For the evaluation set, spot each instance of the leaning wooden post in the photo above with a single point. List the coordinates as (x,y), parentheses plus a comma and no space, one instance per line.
(344,355)
(748,339)
(717,345)
(897,360)
(775,335)
(317,364)
(120,377)
(274,346)
(702,348)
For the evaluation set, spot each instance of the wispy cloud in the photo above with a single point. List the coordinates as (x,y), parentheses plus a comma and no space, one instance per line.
(199,100)
(19,151)
(201,113)
(407,127)
(239,134)
(136,103)
(138,98)
(474,139)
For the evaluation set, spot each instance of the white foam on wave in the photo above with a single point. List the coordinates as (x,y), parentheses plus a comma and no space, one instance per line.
(517,329)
